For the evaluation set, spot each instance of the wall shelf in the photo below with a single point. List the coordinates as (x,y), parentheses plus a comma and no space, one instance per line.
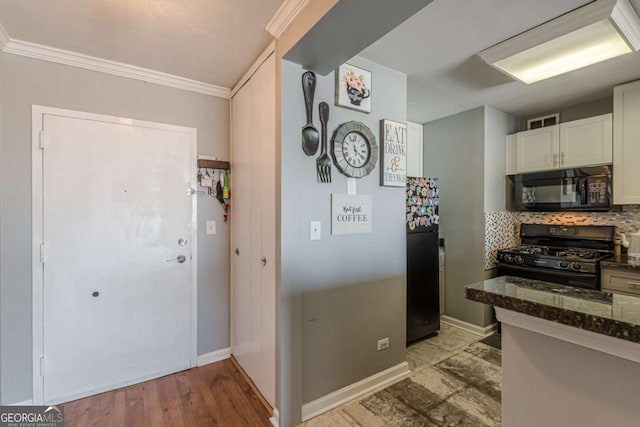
(213,164)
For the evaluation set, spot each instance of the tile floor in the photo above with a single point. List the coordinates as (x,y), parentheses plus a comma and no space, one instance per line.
(455,381)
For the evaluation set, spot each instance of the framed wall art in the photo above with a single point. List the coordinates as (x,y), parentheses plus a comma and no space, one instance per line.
(393,164)
(353,88)
(351,214)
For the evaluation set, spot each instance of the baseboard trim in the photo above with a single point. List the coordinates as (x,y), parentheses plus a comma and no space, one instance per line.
(28,402)
(214,356)
(470,327)
(275,420)
(351,392)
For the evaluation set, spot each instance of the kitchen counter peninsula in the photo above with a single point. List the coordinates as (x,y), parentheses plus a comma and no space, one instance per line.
(570,356)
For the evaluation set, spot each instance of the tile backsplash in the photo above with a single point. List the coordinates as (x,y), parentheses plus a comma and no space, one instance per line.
(627,220)
(501,228)
(499,233)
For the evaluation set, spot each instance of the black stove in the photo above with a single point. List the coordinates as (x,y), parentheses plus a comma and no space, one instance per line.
(569,255)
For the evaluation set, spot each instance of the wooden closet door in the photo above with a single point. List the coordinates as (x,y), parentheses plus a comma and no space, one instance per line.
(253,216)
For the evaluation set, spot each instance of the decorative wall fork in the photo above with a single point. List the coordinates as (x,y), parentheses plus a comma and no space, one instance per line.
(323,162)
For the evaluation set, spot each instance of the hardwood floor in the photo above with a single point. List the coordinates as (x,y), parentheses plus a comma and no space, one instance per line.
(211,395)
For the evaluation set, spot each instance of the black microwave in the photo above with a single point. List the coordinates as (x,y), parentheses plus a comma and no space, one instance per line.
(581,189)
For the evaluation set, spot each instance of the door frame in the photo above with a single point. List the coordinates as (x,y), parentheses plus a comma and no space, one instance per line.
(37,279)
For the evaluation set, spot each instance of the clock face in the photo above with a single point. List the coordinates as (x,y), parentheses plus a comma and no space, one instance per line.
(354,149)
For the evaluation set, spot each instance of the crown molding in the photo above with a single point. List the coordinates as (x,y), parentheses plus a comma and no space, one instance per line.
(4,37)
(626,18)
(60,56)
(284,15)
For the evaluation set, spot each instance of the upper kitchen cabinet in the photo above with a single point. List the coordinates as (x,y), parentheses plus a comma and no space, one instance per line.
(626,144)
(586,142)
(538,149)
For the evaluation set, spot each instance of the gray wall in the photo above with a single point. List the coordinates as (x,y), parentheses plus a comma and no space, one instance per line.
(454,153)
(25,82)
(576,111)
(342,293)
(497,126)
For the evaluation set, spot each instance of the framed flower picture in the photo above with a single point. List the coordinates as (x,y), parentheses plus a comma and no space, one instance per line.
(353,88)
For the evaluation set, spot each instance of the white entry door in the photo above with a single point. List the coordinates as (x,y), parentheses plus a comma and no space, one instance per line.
(117,270)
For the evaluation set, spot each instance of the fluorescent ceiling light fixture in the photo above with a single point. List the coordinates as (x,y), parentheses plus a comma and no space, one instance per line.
(598,31)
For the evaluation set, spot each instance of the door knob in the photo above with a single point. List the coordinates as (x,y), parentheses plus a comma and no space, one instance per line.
(263,260)
(237,251)
(179,258)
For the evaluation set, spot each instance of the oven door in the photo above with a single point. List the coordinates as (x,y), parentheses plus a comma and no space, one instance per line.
(586,189)
(580,280)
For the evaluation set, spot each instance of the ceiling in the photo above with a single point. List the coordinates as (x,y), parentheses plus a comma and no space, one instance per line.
(437,50)
(211,41)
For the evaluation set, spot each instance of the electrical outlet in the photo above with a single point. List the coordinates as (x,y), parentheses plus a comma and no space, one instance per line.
(383,343)
(315,232)
(211,227)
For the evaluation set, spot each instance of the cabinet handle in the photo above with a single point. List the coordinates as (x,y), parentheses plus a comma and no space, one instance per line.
(634,284)
(561,159)
(555,159)
(263,260)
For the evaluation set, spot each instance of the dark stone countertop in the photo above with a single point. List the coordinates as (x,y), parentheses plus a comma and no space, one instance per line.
(621,262)
(608,314)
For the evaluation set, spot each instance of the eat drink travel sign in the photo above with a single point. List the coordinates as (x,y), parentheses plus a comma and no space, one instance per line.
(393,167)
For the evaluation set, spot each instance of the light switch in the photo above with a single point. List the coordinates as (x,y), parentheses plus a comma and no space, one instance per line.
(315,230)
(211,227)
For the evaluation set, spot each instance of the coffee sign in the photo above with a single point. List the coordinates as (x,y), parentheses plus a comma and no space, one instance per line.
(393,170)
(351,214)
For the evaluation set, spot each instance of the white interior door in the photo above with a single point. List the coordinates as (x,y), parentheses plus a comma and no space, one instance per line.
(116,296)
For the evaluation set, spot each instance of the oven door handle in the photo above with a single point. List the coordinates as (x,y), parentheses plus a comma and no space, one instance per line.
(560,273)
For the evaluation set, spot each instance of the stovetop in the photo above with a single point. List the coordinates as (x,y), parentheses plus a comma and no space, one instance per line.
(568,254)
(578,254)
(576,260)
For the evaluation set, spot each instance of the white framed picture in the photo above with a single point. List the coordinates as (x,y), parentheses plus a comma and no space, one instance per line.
(351,214)
(353,88)
(393,164)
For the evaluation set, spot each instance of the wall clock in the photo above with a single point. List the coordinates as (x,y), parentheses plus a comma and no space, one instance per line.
(354,149)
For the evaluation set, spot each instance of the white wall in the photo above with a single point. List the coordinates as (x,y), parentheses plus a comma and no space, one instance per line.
(24,82)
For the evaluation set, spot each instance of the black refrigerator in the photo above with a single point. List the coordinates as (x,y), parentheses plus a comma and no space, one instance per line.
(423,272)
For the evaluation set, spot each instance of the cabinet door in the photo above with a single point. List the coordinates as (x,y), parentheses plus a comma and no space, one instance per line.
(626,144)
(538,149)
(512,154)
(415,150)
(586,142)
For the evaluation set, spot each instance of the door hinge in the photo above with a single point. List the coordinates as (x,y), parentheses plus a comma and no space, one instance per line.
(41,139)
(41,253)
(42,366)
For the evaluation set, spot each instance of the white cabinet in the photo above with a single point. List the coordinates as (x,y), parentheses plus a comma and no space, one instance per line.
(586,142)
(626,144)
(253,225)
(415,149)
(512,154)
(538,149)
